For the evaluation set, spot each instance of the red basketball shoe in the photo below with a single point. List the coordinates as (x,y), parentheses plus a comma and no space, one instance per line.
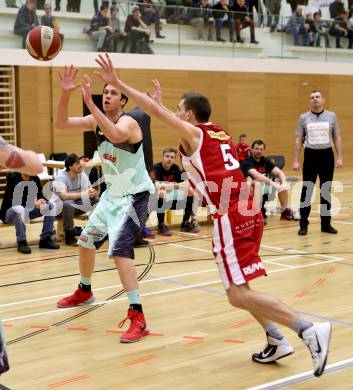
(78,298)
(138,327)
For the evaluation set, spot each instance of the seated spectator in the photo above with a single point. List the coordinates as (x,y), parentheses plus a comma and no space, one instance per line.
(223,19)
(100,28)
(202,17)
(26,20)
(242,148)
(342,28)
(150,14)
(73,187)
(336,7)
(49,20)
(296,26)
(259,168)
(311,28)
(137,31)
(322,28)
(242,20)
(118,35)
(23,200)
(172,188)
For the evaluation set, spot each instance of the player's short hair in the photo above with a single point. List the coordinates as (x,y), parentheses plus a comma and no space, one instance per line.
(122,95)
(258,142)
(242,135)
(103,7)
(169,150)
(198,104)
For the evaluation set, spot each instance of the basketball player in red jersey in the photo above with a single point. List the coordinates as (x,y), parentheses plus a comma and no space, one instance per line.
(208,155)
(24,161)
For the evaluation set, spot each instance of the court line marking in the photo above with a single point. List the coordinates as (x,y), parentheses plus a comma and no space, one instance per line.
(156,279)
(161,291)
(333,259)
(290,380)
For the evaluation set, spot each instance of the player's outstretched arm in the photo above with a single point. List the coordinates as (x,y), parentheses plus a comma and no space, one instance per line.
(19,160)
(189,133)
(62,119)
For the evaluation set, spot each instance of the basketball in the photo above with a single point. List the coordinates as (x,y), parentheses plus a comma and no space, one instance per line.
(43,43)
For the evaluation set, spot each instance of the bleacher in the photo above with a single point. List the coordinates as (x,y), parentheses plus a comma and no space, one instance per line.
(180,39)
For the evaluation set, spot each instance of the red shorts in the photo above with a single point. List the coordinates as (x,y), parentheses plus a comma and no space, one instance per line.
(236,243)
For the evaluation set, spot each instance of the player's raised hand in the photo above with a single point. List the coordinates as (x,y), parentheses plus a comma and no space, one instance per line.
(86,89)
(108,75)
(157,93)
(67,80)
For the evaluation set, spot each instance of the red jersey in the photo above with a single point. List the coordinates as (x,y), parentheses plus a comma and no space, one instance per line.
(214,168)
(243,151)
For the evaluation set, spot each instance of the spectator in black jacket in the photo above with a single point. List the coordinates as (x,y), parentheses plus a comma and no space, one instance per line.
(223,19)
(341,27)
(174,193)
(23,201)
(242,19)
(202,17)
(136,29)
(26,20)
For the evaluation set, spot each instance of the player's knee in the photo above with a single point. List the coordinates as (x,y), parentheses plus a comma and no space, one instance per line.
(239,297)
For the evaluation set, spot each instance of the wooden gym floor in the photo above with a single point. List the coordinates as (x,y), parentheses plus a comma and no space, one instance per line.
(198,340)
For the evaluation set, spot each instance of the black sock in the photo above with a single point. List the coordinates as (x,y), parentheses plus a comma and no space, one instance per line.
(85,287)
(136,306)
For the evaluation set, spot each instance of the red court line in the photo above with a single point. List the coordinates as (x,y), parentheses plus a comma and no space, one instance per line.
(301,293)
(331,270)
(234,341)
(319,281)
(7,325)
(193,337)
(67,381)
(242,323)
(191,343)
(40,326)
(141,360)
(114,331)
(22,268)
(79,329)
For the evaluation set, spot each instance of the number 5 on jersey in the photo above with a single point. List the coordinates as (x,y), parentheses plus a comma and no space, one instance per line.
(230,162)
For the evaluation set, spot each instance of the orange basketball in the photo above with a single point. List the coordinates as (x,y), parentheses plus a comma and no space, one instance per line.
(43,43)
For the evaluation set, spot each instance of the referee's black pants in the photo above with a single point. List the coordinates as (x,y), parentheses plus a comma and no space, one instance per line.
(317,162)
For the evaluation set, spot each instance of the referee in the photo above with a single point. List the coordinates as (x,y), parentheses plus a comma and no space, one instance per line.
(317,129)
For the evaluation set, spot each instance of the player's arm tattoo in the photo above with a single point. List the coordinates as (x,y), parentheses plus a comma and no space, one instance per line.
(14,159)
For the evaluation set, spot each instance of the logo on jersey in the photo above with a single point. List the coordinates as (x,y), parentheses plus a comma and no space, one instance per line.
(252,268)
(109,157)
(100,132)
(221,135)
